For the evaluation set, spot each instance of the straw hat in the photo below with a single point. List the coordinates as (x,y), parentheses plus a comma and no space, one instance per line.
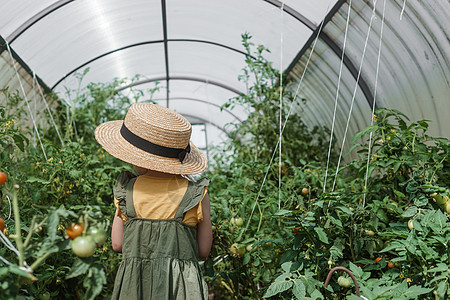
(152,137)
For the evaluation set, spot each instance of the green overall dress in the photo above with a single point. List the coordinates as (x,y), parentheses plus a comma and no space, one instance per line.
(160,256)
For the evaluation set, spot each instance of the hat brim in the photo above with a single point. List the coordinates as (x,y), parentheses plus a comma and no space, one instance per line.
(109,137)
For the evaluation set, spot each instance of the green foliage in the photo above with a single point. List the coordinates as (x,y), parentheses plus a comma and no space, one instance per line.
(72,184)
(335,228)
(294,236)
(237,189)
(294,229)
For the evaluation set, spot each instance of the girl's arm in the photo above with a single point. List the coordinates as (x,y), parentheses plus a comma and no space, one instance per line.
(117,233)
(204,230)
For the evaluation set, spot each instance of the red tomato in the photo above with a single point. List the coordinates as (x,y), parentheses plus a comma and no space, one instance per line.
(74,230)
(2,225)
(3,178)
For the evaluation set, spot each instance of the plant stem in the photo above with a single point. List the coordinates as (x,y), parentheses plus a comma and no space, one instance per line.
(260,217)
(40,260)
(30,232)
(18,235)
(351,247)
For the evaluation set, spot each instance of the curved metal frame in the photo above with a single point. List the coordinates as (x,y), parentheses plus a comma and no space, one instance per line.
(205,102)
(189,78)
(308,23)
(140,44)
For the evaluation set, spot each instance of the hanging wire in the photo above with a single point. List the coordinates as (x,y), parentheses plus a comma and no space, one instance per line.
(8,243)
(373,106)
(26,98)
(34,112)
(403,9)
(281,105)
(287,118)
(11,247)
(49,111)
(353,98)
(337,94)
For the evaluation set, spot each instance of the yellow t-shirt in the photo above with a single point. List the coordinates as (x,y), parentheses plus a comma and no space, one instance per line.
(159,198)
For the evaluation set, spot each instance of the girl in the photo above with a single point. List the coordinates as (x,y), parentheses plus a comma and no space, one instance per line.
(162,223)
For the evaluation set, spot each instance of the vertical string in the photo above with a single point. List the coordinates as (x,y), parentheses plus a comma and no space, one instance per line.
(287,118)
(403,9)
(49,111)
(26,98)
(281,106)
(353,98)
(34,112)
(373,106)
(337,94)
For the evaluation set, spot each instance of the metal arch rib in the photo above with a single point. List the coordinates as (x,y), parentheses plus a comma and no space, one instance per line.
(206,102)
(140,44)
(208,122)
(166,48)
(36,18)
(55,6)
(189,78)
(307,22)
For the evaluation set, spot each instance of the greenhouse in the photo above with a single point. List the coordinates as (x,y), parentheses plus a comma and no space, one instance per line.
(258,149)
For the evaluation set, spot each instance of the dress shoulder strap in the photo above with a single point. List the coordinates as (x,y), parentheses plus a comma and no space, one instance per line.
(131,212)
(193,196)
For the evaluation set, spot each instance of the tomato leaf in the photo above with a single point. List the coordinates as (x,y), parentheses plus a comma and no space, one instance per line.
(299,289)
(321,234)
(94,281)
(53,221)
(33,179)
(79,267)
(411,211)
(246,259)
(281,284)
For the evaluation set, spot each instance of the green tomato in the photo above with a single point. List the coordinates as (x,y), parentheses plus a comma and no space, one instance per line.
(98,234)
(239,222)
(370,233)
(344,281)
(439,199)
(411,224)
(44,296)
(84,246)
(235,249)
(447,206)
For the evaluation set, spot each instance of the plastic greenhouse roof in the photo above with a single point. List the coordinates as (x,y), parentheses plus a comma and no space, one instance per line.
(192,51)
